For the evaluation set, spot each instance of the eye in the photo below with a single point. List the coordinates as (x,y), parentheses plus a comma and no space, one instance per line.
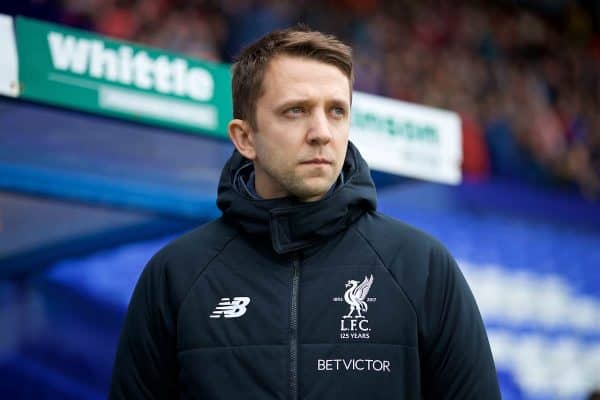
(294,111)
(338,112)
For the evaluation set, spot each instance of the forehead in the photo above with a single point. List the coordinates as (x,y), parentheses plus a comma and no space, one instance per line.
(304,77)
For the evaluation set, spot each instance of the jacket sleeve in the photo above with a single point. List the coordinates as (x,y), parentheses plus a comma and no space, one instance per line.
(145,364)
(455,352)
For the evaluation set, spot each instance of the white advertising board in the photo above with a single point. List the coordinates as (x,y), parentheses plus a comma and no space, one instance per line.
(407,139)
(9,78)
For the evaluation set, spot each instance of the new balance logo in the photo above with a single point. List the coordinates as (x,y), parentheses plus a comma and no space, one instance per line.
(231,308)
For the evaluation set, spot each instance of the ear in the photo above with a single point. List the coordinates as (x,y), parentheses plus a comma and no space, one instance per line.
(242,136)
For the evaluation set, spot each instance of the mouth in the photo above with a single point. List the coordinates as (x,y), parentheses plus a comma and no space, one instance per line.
(316,161)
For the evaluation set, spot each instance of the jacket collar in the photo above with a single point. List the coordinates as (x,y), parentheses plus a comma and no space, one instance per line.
(291,224)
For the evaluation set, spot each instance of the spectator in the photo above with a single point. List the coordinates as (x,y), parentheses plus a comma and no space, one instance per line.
(528,93)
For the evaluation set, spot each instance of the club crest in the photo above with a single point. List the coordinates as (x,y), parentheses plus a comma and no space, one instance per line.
(354,324)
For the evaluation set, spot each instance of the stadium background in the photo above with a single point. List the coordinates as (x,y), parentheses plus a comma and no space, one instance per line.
(524,224)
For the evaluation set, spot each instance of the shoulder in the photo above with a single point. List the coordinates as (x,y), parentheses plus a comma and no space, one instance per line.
(198,245)
(392,238)
(413,257)
(176,266)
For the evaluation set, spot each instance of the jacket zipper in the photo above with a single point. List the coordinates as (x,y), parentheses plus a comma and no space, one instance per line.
(294,328)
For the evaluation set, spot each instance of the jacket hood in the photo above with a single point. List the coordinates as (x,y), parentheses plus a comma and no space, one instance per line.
(291,224)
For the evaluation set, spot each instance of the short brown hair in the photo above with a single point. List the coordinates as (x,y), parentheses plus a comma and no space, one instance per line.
(250,67)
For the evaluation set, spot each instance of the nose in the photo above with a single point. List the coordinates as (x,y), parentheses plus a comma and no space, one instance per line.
(319,130)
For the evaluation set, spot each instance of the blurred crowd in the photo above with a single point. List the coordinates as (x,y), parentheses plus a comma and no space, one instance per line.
(524,75)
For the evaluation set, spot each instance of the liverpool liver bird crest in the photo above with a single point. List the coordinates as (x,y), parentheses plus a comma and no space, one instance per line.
(355,296)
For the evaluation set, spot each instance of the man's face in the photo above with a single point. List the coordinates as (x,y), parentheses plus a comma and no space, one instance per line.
(302,124)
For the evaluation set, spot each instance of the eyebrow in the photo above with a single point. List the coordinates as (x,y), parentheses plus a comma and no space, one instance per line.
(303,101)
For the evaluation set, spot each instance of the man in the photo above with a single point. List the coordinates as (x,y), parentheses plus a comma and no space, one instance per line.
(301,290)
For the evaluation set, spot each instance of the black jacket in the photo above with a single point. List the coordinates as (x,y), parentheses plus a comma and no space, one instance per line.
(279,299)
